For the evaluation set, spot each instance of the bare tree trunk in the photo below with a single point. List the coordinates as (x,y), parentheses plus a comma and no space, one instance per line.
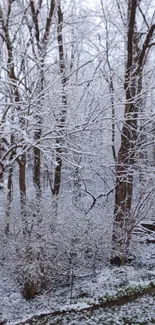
(9,199)
(37,136)
(123,222)
(1,168)
(16,96)
(124,170)
(57,176)
(37,165)
(22,181)
(10,192)
(41,43)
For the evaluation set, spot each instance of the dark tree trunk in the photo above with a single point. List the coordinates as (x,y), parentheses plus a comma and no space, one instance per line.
(22,182)
(57,178)
(9,199)
(58,169)
(41,42)
(37,166)
(123,222)
(124,170)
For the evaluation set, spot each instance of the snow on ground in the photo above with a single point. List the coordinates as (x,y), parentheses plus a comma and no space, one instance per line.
(141,311)
(85,290)
(14,308)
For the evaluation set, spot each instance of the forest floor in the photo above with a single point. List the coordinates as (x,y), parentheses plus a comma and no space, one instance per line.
(73,304)
(140,311)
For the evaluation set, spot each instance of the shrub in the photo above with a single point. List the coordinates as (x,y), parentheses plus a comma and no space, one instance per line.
(29,289)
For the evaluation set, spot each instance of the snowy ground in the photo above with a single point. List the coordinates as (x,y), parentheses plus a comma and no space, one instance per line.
(86,290)
(141,311)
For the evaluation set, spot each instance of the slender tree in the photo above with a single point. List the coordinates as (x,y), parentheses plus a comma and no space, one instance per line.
(62,117)
(15,94)
(41,38)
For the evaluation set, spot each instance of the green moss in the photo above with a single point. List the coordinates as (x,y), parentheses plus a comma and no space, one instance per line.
(124,292)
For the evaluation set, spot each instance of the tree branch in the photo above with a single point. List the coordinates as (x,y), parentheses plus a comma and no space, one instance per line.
(146,45)
(35,20)
(143,16)
(48,21)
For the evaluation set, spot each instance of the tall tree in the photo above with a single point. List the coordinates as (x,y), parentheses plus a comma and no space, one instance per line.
(62,117)
(15,97)
(41,38)
(123,221)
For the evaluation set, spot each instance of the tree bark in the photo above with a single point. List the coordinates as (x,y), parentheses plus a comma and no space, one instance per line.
(37,166)
(58,169)
(22,182)
(9,200)
(10,190)
(123,223)
(15,93)
(41,42)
